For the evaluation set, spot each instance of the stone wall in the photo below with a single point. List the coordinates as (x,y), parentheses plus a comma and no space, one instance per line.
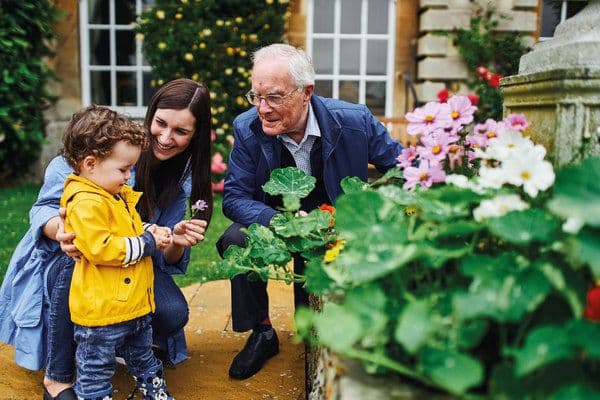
(439,65)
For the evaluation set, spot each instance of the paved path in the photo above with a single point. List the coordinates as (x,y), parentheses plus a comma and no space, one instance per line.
(212,345)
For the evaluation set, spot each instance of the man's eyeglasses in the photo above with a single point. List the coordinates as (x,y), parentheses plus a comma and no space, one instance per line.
(273,100)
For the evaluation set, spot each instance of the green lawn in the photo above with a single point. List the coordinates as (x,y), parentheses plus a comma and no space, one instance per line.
(15,203)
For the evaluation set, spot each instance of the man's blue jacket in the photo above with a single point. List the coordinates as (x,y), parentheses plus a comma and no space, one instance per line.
(351,138)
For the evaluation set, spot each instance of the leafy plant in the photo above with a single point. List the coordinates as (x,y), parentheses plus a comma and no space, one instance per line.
(211,41)
(472,282)
(26,27)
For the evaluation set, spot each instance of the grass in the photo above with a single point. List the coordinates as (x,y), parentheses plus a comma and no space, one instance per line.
(15,203)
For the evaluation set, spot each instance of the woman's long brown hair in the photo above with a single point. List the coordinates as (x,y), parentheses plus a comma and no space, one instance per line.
(161,183)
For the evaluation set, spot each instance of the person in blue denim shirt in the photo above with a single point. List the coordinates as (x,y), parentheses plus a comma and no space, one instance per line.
(34,314)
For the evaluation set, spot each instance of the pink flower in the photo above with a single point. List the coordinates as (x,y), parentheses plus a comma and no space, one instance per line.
(218,187)
(407,157)
(429,118)
(213,135)
(435,148)
(482,72)
(516,121)
(424,175)
(493,128)
(461,111)
(476,140)
(218,166)
(455,155)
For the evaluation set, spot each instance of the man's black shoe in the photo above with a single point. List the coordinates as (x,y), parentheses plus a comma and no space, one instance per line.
(258,349)
(65,394)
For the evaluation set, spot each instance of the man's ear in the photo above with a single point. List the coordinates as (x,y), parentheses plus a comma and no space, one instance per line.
(308,91)
(89,163)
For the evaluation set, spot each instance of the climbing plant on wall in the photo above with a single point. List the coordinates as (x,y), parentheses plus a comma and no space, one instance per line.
(26,28)
(211,41)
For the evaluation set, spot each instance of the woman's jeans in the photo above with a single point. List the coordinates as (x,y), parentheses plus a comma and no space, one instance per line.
(96,350)
(169,318)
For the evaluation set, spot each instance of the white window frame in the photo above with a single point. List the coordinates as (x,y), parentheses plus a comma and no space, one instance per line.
(563,17)
(364,36)
(139,109)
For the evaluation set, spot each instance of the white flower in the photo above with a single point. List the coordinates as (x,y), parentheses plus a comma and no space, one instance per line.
(498,206)
(157,381)
(492,178)
(533,173)
(506,144)
(458,180)
(572,225)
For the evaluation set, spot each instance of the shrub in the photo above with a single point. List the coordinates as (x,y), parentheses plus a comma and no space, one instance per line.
(211,41)
(26,27)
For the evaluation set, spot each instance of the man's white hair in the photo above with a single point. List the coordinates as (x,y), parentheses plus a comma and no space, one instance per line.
(300,64)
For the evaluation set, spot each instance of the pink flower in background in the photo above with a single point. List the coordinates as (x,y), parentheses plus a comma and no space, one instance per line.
(213,135)
(483,72)
(218,187)
(429,118)
(494,80)
(407,157)
(424,175)
(455,155)
(493,128)
(516,121)
(218,166)
(461,111)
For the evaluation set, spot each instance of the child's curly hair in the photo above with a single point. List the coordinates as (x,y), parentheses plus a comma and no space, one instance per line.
(94,130)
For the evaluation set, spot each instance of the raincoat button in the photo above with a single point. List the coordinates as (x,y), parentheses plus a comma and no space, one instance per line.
(127,281)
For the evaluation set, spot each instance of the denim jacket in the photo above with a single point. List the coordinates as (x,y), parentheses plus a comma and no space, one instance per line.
(24,298)
(351,139)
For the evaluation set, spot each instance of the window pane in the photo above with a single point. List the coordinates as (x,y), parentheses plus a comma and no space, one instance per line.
(148,89)
(375,97)
(124,12)
(146,4)
(378,16)
(126,89)
(351,10)
(99,47)
(100,86)
(376,57)
(98,11)
(350,56)
(323,16)
(349,91)
(324,88)
(323,56)
(125,47)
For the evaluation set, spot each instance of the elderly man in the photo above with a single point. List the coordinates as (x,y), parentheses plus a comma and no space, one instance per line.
(289,126)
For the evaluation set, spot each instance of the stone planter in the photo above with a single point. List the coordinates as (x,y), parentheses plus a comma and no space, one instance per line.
(558,88)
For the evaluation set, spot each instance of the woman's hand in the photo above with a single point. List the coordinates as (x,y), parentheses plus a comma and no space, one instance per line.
(188,233)
(66,239)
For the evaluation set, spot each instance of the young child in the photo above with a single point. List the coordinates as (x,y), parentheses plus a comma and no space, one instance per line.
(111,296)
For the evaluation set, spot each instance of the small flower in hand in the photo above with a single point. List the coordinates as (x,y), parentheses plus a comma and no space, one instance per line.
(200,205)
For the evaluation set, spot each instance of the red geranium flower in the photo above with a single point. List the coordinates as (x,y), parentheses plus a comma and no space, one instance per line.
(494,80)
(330,209)
(443,95)
(474,98)
(592,308)
(482,72)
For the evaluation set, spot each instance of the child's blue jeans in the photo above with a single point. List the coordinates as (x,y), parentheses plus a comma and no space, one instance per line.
(96,349)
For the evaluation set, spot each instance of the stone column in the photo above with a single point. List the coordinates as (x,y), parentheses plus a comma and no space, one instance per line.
(558,88)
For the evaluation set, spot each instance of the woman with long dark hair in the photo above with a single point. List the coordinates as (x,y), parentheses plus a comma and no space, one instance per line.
(34,313)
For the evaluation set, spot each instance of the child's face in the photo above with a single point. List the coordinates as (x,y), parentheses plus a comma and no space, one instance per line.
(112,172)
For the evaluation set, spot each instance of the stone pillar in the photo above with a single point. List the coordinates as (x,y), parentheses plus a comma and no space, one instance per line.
(558,88)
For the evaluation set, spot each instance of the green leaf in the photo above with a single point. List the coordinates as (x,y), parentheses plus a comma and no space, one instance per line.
(353,184)
(391,174)
(577,192)
(522,227)
(338,328)
(414,326)
(317,280)
(455,372)
(289,181)
(288,226)
(585,334)
(264,246)
(586,246)
(369,303)
(575,392)
(543,346)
